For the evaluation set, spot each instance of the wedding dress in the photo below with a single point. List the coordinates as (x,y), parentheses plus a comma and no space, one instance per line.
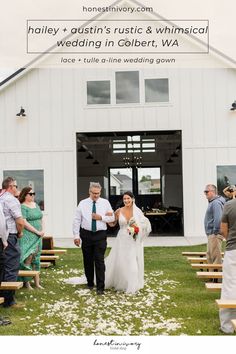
(125,262)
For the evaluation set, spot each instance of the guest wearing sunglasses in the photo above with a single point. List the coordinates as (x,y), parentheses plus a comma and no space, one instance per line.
(15,225)
(31,242)
(212,223)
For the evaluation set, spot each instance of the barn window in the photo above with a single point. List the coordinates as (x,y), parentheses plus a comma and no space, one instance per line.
(127,87)
(98,92)
(156,90)
(29,178)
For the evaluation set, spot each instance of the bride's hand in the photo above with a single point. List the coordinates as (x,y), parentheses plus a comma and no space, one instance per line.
(112,224)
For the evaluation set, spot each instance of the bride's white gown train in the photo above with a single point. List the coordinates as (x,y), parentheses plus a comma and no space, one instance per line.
(125,262)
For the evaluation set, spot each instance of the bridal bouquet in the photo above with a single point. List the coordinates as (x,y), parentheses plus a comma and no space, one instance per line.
(133,228)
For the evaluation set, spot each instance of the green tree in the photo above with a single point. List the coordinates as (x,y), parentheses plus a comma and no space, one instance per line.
(145,178)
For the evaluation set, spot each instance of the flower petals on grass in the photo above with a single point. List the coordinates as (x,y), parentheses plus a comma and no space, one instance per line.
(115,313)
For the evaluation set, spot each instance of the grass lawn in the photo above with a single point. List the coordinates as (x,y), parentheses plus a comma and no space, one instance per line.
(173,301)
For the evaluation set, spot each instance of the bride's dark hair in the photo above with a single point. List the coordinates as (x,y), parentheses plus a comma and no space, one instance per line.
(120,202)
(130,194)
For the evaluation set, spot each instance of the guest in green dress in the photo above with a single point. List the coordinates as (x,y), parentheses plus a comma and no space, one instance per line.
(31,242)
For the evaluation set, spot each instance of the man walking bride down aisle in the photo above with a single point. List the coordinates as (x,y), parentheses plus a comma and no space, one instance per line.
(124,266)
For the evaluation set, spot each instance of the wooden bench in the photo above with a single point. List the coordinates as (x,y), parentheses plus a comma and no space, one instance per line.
(47,243)
(206,266)
(49,258)
(213,287)
(197,259)
(209,275)
(234,324)
(53,252)
(1,300)
(28,273)
(226,304)
(11,285)
(195,254)
(45,264)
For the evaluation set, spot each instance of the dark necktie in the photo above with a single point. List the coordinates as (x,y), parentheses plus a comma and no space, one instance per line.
(94,222)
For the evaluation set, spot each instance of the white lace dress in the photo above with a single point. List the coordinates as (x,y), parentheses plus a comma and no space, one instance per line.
(125,262)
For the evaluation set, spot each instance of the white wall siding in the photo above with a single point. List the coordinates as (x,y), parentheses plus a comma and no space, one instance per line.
(56,108)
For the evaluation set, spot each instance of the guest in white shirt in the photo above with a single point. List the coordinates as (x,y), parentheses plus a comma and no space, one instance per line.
(15,225)
(3,241)
(3,245)
(90,225)
(3,229)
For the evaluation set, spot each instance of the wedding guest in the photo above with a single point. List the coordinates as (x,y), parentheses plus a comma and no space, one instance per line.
(3,242)
(212,224)
(230,192)
(31,242)
(3,245)
(15,226)
(228,291)
(90,225)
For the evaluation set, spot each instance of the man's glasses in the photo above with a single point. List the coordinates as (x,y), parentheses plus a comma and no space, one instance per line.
(31,193)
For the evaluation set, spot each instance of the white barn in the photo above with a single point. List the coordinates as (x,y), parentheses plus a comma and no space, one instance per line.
(69,107)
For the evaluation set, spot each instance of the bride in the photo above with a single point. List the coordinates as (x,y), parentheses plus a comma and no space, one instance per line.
(125,262)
